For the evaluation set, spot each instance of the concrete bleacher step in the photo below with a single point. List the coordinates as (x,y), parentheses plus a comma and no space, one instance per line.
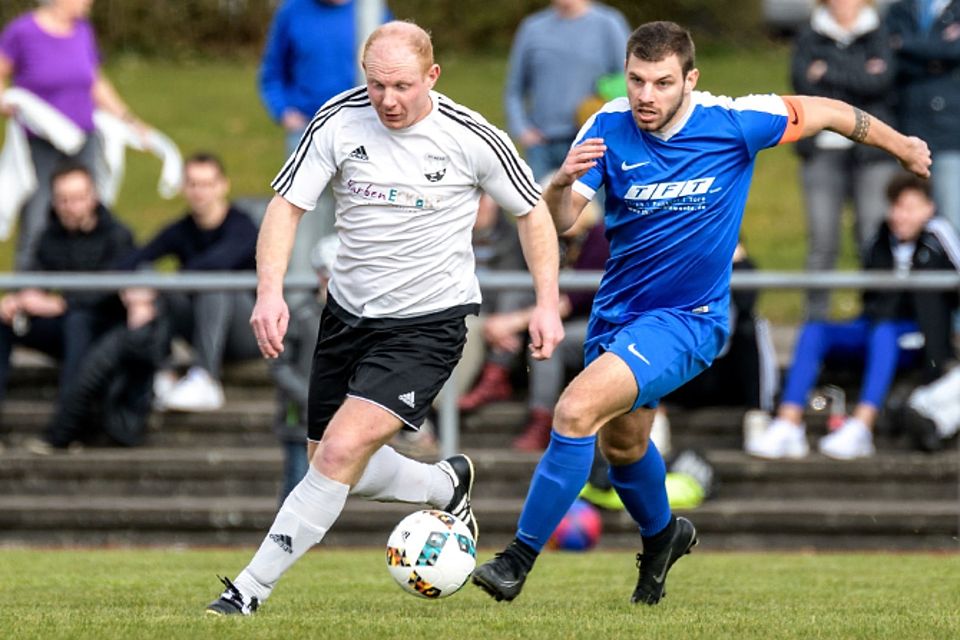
(723,524)
(211,478)
(255,472)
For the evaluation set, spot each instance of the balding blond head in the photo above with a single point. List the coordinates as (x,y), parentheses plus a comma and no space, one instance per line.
(402,33)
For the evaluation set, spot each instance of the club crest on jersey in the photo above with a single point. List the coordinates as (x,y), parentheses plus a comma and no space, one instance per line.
(435,166)
(669,190)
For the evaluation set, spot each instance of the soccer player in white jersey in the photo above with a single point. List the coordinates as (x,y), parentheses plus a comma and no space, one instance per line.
(407,166)
(676,165)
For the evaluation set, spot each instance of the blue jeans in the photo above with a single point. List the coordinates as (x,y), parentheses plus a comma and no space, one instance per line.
(874,345)
(295,466)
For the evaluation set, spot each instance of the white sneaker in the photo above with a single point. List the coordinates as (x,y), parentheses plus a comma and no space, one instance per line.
(660,433)
(755,424)
(851,441)
(196,391)
(163,383)
(782,439)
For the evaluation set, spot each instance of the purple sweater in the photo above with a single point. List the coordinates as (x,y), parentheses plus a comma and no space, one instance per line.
(58,69)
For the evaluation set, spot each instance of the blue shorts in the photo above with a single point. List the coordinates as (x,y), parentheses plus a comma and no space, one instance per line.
(664,348)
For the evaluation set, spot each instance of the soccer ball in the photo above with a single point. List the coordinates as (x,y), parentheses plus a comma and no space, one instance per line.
(431,554)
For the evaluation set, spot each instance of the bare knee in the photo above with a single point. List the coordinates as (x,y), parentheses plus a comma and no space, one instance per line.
(332,455)
(575,417)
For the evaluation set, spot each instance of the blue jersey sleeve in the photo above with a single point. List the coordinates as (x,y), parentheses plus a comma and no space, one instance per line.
(587,184)
(763,120)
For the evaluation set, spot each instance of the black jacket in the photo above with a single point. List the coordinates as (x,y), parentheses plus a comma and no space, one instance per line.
(937,249)
(98,250)
(846,78)
(928,75)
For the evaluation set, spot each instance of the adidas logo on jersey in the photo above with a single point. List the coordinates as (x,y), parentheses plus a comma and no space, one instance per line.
(407,399)
(360,154)
(284,541)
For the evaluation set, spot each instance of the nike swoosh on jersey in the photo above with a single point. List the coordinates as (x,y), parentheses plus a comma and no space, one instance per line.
(627,167)
(632,348)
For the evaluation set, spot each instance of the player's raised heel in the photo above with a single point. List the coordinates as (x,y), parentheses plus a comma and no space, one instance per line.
(652,582)
(231,602)
(460,470)
(502,577)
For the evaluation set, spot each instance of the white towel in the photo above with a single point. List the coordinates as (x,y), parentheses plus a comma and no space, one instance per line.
(115,135)
(18,180)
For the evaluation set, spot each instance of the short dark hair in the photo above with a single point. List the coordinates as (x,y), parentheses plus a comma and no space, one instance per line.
(656,41)
(70,166)
(907,182)
(206,157)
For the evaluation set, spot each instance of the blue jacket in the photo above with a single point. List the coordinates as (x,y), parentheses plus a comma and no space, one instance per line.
(310,56)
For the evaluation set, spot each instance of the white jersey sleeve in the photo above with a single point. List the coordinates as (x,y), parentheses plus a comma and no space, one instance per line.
(500,171)
(312,165)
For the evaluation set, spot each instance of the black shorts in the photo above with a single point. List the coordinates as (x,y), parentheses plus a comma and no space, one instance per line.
(399,368)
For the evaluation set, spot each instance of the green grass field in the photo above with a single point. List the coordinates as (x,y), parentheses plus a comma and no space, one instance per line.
(348,594)
(214,105)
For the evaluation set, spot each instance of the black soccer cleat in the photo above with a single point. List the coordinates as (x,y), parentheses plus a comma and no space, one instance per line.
(651,585)
(231,602)
(460,470)
(502,577)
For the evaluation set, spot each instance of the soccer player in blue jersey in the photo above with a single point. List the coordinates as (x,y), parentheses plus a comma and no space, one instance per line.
(676,165)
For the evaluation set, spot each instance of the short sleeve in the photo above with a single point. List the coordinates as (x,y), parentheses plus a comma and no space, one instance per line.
(588,184)
(763,120)
(502,173)
(311,166)
(10,43)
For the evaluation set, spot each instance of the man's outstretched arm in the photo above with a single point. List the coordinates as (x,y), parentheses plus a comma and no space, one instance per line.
(816,114)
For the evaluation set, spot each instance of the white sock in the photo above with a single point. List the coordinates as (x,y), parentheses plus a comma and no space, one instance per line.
(306,515)
(391,477)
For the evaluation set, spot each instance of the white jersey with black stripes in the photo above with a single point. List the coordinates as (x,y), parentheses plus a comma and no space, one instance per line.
(406,200)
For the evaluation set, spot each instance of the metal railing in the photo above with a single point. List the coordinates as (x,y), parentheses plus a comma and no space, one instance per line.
(448,415)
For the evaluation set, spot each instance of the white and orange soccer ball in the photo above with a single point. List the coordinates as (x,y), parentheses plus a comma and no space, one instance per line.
(431,554)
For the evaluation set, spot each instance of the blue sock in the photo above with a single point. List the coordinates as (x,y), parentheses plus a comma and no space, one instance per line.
(558,479)
(641,487)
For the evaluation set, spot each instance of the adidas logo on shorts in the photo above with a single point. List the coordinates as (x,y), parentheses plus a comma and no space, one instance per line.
(408,399)
(359,154)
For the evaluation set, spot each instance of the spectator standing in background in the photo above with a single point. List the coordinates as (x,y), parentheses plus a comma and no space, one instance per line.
(925,36)
(310,56)
(844,53)
(212,236)
(556,58)
(51,52)
(80,235)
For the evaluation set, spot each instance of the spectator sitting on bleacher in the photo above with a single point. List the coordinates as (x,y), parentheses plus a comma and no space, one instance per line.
(896,329)
(81,235)
(212,236)
(113,391)
(585,249)
(496,247)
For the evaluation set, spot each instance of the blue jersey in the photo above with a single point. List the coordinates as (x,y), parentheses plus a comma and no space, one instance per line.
(675,200)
